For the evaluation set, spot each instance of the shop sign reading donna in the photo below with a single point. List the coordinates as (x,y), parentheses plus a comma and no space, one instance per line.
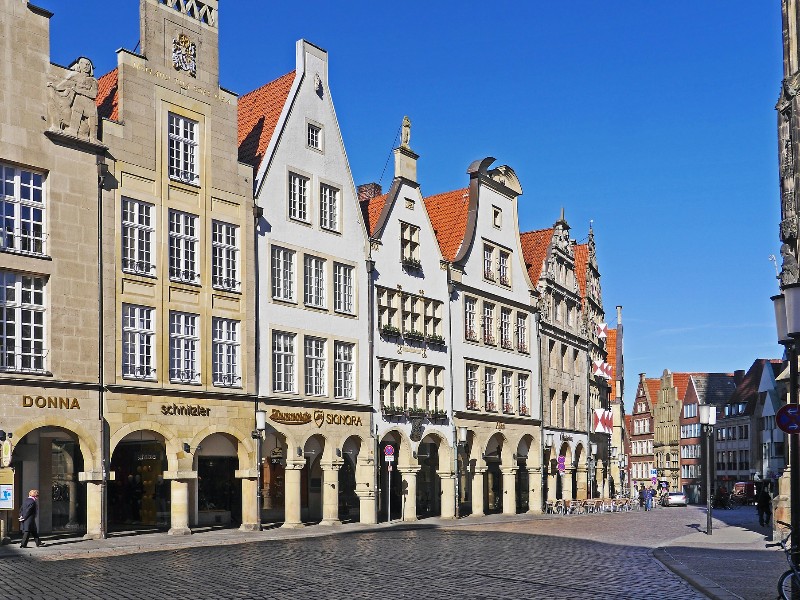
(319,418)
(50,402)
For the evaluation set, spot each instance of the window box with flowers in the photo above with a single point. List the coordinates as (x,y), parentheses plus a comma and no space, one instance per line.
(491,407)
(390,331)
(411,334)
(435,339)
(523,410)
(471,335)
(508,408)
(488,338)
(412,263)
(416,412)
(506,344)
(392,411)
(472,404)
(488,274)
(522,347)
(438,414)
(504,280)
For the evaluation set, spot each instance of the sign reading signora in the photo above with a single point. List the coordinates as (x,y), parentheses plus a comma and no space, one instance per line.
(319,418)
(50,402)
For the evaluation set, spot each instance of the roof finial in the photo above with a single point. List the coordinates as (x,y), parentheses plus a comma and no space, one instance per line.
(405,136)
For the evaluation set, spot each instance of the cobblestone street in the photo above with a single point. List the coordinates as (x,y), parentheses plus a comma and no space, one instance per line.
(589,556)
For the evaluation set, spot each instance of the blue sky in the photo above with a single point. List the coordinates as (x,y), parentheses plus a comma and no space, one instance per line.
(654,120)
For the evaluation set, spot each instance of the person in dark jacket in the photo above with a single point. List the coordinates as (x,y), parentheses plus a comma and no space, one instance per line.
(764,507)
(27,517)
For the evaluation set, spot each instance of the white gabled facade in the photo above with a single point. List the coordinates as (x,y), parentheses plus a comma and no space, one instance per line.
(312,306)
(411,370)
(773,440)
(495,365)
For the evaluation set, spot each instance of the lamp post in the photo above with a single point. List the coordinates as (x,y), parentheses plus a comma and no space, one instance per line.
(258,435)
(708,418)
(787,322)
(623,462)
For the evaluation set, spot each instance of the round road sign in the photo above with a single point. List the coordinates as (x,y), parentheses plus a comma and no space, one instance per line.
(788,418)
(388,451)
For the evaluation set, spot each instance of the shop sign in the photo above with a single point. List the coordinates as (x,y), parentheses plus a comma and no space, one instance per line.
(146,457)
(276,456)
(5,453)
(189,411)
(50,402)
(319,418)
(6,489)
(566,438)
(290,418)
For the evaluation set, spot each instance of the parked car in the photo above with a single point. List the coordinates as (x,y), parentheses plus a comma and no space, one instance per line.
(674,499)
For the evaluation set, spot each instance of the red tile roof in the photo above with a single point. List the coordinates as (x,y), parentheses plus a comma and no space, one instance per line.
(258,116)
(581,259)
(448,215)
(372,208)
(534,251)
(611,348)
(681,381)
(653,387)
(108,96)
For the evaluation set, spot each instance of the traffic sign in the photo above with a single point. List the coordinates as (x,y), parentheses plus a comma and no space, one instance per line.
(653,480)
(653,472)
(562,463)
(389,458)
(788,418)
(389,450)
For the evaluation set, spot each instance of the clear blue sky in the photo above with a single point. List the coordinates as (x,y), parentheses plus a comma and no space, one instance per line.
(656,120)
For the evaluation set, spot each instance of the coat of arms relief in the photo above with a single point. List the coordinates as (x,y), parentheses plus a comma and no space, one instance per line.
(184,55)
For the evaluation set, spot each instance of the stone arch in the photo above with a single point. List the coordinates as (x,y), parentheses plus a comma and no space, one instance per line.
(245,449)
(171,443)
(444,449)
(88,446)
(501,443)
(404,457)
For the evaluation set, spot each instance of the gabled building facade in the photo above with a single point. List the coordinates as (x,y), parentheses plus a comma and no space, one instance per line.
(410,334)
(666,439)
(641,460)
(313,309)
(495,367)
(773,452)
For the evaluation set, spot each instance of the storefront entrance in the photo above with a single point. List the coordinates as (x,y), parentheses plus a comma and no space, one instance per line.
(139,496)
(219,493)
(349,504)
(494,481)
(428,481)
(396,492)
(523,487)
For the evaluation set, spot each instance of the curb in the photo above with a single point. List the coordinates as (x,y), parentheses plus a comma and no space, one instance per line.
(702,584)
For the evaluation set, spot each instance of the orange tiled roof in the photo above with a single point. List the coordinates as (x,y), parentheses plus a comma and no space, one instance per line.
(448,215)
(258,116)
(534,251)
(681,381)
(653,387)
(108,96)
(581,259)
(611,348)
(372,209)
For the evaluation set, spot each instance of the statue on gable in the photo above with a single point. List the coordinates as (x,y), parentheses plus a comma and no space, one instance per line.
(72,105)
(790,271)
(405,136)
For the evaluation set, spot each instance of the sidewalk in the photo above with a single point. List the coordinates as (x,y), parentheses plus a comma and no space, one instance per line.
(732,562)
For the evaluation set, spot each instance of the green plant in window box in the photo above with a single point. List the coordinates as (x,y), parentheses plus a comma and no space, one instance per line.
(436,339)
(412,263)
(390,331)
(411,334)
(416,412)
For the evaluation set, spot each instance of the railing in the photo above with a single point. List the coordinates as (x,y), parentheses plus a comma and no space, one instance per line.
(226,379)
(137,266)
(183,275)
(183,375)
(20,240)
(225,283)
(17,360)
(140,372)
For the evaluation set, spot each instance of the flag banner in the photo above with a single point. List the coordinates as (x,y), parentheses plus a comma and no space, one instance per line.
(602,369)
(603,421)
(601,329)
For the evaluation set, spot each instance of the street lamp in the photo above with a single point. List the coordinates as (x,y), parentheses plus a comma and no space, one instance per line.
(708,418)
(787,323)
(258,435)
(623,463)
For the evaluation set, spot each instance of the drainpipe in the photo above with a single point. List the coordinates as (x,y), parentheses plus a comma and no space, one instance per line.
(371,378)
(456,447)
(102,172)
(538,318)
(258,213)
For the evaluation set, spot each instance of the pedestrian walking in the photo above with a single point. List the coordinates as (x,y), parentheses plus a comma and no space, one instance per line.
(764,507)
(641,496)
(27,516)
(648,498)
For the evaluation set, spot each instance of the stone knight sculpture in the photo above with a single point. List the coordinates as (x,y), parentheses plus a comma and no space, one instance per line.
(72,105)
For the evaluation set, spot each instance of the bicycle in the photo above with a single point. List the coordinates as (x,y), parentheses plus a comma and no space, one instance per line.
(792,576)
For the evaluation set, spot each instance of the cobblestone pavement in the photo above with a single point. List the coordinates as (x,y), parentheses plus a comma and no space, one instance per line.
(588,556)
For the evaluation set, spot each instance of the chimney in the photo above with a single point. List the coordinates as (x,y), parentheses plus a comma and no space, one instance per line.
(368,191)
(642,377)
(619,314)
(738,377)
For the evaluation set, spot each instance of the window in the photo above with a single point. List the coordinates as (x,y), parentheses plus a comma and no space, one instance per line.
(433,320)
(497,217)
(328,207)
(138,335)
(225,256)
(387,309)
(184,337)
(505,392)
(412,385)
(434,389)
(315,366)
(389,382)
(522,394)
(343,288)
(314,282)
(183,243)
(225,350)
(137,237)
(21,210)
(22,325)
(690,410)
(488,389)
(488,323)
(505,328)
(283,374)
(183,150)
(314,137)
(409,245)
(470,330)
(298,197)
(502,268)
(282,274)
(412,316)
(343,370)
(488,262)
(472,387)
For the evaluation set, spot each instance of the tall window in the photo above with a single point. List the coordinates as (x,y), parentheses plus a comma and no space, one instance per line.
(412,307)
(315,366)
(314,138)
(21,210)
(138,336)
(328,207)
(488,389)
(387,308)
(183,242)
(226,351)
(22,310)
(283,372)
(343,370)
(389,382)
(470,329)
(488,262)
(502,268)
(183,149)
(343,288)
(314,281)
(505,328)
(522,332)
(472,386)
(137,237)
(282,274)
(184,338)
(505,392)
(409,244)
(488,323)
(298,197)
(433,318)
(522,394)
(225,255)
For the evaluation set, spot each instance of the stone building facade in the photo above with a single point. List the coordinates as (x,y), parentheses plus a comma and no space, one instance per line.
(667,416)
(641,432)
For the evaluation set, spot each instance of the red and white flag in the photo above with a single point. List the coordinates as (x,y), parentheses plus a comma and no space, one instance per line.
(602,369)
(601,329)
(603,421)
